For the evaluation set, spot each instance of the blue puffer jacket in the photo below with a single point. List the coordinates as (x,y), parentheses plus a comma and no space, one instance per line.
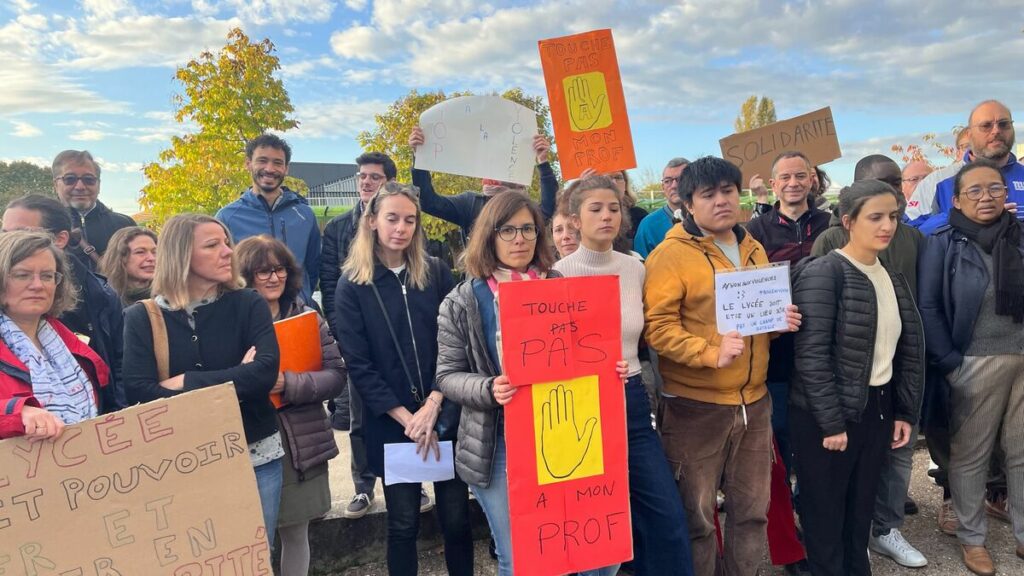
(291,221)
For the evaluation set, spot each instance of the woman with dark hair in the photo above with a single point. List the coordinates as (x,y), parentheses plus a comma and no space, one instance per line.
(972,302)
(661,542)
(216,332)
(48,377)
(386,306)
(857,380)
(130,263)
(267,265)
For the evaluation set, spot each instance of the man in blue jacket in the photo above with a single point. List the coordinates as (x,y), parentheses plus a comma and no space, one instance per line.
(269,207)
(652,229)
(991,136)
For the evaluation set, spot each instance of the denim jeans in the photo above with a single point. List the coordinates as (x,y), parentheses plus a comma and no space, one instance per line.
(661,543)
(494,501)
(269,478)
(452,506)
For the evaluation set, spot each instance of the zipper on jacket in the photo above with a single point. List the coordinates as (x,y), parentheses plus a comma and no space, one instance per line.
(415,349)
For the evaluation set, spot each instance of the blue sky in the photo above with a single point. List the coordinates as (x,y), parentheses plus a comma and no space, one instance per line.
(98,74)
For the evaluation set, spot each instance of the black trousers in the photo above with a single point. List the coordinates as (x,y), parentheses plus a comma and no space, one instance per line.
(838,489)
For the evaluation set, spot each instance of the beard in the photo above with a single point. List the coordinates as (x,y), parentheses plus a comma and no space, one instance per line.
(1000,152)
(82,204)
(259,175)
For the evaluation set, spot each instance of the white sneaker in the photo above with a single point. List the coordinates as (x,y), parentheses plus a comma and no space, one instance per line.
(896,547)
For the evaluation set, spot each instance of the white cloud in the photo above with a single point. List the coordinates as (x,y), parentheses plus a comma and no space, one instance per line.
(24,129)
(262,12)
(22,5)
(106,8)
(89,135)
(37,160)
(339,119)
(119,167)
(356,5)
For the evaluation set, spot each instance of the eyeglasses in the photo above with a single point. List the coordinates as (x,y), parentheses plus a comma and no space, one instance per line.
(263,275)
(996,191)
(1001,124)
(508,233)
(914,179)
(72,179)
(24,277)
(669,180)
(372,176)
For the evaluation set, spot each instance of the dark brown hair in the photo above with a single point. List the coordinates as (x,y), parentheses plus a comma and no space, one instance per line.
(259,253)
(481,258)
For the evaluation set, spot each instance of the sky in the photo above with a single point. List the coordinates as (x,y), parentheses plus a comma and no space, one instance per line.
(99,74)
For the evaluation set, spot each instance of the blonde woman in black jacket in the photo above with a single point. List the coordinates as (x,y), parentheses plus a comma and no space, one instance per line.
(857,384)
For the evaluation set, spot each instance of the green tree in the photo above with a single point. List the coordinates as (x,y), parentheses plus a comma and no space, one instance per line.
(232,96)
(755,113)
(20,178)
(390,135)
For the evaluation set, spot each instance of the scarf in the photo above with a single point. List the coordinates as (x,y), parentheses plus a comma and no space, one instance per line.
(1001,239)
(136,294)
(57,379)
(507,275)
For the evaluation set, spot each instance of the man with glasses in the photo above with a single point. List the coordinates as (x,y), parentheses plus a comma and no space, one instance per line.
(76,180)
(913,173)
(375,169)
(269,207)
(991,135)
(462,209)
(652,229)
(97,318)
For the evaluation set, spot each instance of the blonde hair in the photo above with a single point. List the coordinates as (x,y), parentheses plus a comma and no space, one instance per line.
(112,265)
(19,245)
(174,259)
(366,249)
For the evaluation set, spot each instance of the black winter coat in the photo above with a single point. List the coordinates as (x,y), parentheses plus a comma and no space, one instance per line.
(338,236)
(373,363)
(835,344)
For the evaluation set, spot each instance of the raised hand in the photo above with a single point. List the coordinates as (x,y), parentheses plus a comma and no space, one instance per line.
(563,445)
(584,109)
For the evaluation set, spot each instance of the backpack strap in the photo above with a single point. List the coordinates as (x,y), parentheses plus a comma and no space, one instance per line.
(161,348)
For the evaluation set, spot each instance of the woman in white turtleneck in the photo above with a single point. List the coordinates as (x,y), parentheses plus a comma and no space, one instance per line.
(660,540)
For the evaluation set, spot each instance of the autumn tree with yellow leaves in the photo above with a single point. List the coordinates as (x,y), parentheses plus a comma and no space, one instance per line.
(232,97)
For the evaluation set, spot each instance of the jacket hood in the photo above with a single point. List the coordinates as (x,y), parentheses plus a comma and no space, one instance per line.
(288,197)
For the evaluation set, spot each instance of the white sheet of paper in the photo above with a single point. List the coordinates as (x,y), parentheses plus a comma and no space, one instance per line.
(479,136)
(402,464)
(753,300)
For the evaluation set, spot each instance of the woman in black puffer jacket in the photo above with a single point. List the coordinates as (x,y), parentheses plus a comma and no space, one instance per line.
(857,383)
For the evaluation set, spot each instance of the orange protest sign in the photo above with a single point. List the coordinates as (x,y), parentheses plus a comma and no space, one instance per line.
(753,151)
(565,431)
(298,338)
(588,109)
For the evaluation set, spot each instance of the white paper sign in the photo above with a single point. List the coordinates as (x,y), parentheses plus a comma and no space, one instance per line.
(479,136)
(753,300)
(402,464)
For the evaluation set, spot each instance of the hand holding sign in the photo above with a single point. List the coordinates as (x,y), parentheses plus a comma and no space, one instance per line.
(730,348)
(562,444)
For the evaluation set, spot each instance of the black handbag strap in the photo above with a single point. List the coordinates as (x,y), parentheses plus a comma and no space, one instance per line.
(394,340)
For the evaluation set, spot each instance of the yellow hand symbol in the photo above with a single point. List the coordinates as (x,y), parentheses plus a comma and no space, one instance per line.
(563,446)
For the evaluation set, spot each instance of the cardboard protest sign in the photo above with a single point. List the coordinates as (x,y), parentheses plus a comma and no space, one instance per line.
(753,151)
(565,430)
(160,488)
(479,136)
(588,108)
(753,300)
(298,338)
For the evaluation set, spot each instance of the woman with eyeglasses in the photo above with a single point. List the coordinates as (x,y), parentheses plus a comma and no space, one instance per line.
(130,263)
(267,265)
(216,332)
(661,543)
(971,290)
(386,308)
(48,377)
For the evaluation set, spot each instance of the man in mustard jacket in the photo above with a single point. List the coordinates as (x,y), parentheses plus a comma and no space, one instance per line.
(716,416)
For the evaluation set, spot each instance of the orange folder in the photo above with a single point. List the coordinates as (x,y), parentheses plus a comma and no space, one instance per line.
(298,338)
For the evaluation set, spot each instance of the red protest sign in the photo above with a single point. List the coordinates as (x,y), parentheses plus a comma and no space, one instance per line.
(588,108)
(565,431)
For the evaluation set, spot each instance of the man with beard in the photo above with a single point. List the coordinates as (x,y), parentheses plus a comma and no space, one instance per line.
(991,136)
(76,180)
(269,207)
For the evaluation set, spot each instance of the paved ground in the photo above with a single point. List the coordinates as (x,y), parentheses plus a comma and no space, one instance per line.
(942,551)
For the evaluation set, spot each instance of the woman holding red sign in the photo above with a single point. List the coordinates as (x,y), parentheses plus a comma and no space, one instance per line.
(660,541)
